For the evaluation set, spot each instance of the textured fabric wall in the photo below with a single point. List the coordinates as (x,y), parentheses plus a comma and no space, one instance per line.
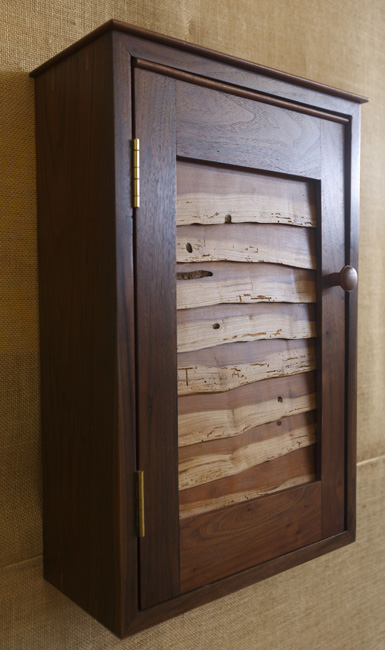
(334,602)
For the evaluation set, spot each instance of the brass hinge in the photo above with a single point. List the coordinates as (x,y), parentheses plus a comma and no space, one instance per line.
(139,489)
(136,173)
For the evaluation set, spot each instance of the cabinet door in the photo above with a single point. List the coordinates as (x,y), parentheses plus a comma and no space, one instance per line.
(240,347)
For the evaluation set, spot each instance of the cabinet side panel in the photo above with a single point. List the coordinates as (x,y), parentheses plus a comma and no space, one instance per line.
(77,272)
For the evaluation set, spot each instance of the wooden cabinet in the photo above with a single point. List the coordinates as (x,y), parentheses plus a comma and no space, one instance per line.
(198,347)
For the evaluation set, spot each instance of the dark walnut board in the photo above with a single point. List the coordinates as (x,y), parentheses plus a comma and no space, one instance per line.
(201,338)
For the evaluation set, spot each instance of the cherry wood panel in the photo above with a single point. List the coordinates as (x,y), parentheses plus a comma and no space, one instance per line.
(247,243)
(233,130)
(156,336)
(240,282)
(205,327)
(295,468)
(212,460)
(209,194)
(223,368)
(219,543)
(222,415)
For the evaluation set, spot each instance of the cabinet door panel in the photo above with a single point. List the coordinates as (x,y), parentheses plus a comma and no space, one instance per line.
(233,449)
(217,544)
(256,433)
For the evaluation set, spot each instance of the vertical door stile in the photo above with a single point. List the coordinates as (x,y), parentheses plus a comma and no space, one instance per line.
(156,336)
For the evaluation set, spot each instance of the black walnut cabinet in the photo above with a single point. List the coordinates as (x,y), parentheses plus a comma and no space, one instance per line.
(198,231)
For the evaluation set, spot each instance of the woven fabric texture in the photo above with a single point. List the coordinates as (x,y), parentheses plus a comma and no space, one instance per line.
(334,602)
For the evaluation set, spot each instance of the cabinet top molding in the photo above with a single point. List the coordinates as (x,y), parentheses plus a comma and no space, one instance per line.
(116,25)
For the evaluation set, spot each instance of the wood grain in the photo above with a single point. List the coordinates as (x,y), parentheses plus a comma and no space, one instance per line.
(233,282)
(216,544)
(293,469)
(156,335)
(82,381)
(222,415)
(182,52)
(207,195)
(206,327)
(247,243)
(210,461)
(93,558)
(227,129)
(332,330)
(225,367)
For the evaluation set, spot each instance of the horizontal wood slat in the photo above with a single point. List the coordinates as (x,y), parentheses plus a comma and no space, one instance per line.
(219,543)
(222,415)
(225,367)
(241,282)
(213,326)
(208,194)
(210,461)
(247,243)
(296,468)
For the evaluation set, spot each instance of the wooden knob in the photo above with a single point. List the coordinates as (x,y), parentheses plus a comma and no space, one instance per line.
(347,279)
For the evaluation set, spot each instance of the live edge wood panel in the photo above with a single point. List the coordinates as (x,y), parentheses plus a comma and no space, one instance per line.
(195,338)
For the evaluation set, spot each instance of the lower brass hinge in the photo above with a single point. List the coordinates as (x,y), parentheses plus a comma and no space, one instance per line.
(136,173)
(139,492)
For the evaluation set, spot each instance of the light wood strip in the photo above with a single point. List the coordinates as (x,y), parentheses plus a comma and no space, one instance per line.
(212,464)
(241,282)
(299,422)
(247,243)
(296,468)
(207,194)
(226,367)
(207,327)
(222,415)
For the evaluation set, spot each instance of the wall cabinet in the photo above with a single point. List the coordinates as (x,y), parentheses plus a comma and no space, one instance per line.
(198,324)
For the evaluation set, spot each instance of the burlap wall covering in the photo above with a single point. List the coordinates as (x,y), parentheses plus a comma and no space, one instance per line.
(335,602)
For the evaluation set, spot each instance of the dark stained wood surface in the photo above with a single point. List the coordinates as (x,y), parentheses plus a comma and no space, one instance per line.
(154,37)
(235,90)
(81,377)
(352,188)
(332,332)
(156,336)
(217,544)
(101,348)
(247,133)
(126,384)
(207,593)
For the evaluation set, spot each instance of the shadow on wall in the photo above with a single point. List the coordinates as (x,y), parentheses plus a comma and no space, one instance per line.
(20,468)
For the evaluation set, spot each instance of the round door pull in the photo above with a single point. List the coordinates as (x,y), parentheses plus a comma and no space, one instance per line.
(347,278)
